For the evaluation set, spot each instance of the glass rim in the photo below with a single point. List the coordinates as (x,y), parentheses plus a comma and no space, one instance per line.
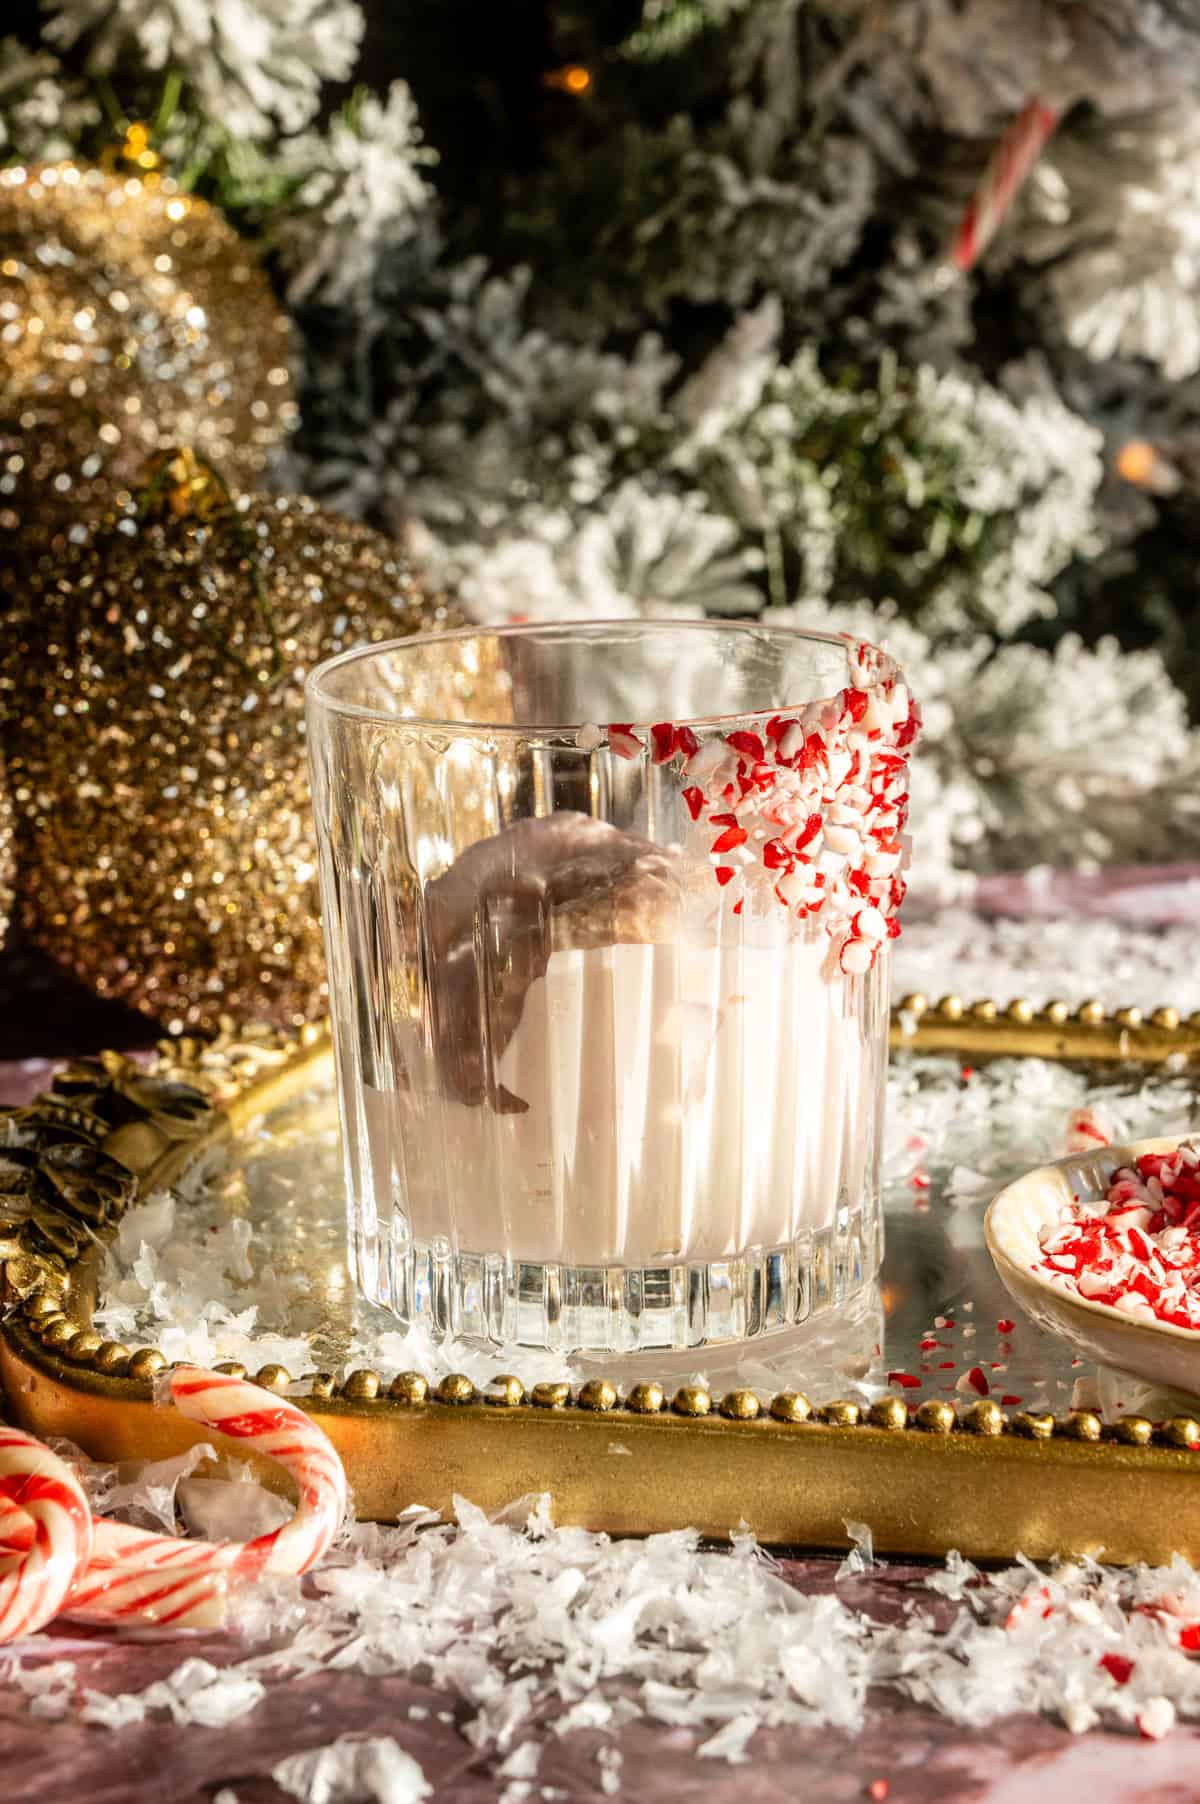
(316,691)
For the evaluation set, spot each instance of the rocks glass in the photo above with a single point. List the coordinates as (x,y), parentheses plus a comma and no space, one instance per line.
(607,916)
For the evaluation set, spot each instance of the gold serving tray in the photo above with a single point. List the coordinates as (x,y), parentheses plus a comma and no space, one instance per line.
(980,1478)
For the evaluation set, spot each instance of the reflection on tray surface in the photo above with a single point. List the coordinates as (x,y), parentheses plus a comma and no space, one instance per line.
(251,1265)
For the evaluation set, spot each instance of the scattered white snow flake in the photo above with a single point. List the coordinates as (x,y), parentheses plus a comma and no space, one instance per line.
(118,1712)
(955,1578)
(223,1701)
(968,1187)
(348,1771)
(609,1761)
(588,1713)
(196,1692)
(1156,1718)
(142,1492)
(49,1685)
(522,1763)
(730,1742)
(861,1556)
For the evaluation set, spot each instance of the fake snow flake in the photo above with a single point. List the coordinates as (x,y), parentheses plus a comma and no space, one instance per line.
(609,1761)
(119,1712)
(522,1763)
(730,1742)
(49,1686)
(955,1579)
(1156,1718)
(588,1713)
(862,1552)
(196,1692)
(375,1771)
(968,1188)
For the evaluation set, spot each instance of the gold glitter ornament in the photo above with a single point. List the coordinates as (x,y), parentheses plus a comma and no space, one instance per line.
(132,318)
(152,700)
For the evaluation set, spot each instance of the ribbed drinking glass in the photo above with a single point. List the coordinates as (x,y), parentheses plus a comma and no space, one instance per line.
(607,914)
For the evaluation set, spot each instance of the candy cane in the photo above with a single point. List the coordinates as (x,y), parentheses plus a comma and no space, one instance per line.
(47,1530)
(156,1578)
(1008,166)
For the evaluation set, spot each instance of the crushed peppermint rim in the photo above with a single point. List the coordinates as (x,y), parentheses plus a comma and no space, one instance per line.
(810,812)
(1137,1249)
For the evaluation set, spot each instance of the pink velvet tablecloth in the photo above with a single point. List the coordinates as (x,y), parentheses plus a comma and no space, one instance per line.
(920,1757)
(906,1754)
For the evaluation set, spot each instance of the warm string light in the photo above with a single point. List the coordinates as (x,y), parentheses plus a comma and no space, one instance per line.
(1136,461)
(571,79)
(136,147)
(1140,463)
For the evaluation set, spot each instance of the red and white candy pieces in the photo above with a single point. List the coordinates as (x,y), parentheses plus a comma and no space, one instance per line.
(1139,1249)
(807,812)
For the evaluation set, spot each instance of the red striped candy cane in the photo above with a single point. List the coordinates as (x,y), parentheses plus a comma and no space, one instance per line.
(1008,166)
(137,1577)
(47,1532)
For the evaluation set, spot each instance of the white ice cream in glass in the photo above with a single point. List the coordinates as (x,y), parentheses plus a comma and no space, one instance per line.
(607,913)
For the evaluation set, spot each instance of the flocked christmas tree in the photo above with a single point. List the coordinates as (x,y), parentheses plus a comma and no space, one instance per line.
(879,317)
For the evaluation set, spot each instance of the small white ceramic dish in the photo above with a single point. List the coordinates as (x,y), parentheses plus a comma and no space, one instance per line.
(1157,1352)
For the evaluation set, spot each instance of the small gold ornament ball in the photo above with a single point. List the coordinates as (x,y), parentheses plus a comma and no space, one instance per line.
(151,695)
(132,318)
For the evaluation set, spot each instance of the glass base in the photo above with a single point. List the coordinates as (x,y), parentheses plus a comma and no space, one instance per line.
(491,1298)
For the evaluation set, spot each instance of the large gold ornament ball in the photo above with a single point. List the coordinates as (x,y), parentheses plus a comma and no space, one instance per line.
(132,317)
(152,709)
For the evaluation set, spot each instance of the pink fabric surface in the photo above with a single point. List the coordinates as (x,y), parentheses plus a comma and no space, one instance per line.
(1147,895)
(20,1080)
(924,1758)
